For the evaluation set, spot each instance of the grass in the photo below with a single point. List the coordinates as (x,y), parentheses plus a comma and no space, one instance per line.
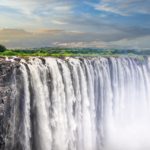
(21,53)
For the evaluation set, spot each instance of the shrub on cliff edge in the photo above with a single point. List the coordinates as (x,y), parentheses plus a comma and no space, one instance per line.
(2,48)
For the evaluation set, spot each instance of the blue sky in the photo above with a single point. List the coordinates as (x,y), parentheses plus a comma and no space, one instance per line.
(75,23)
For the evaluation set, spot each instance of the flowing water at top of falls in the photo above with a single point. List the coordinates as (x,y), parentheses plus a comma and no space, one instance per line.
(82,104)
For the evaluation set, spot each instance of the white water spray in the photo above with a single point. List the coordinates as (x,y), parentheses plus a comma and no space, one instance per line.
(86,104)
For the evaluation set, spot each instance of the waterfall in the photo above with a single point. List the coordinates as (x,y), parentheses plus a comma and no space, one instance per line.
(82,104)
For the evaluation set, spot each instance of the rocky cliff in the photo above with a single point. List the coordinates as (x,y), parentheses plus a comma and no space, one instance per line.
(7,69)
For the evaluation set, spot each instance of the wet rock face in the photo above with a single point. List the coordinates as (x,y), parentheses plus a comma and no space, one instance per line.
(6,86)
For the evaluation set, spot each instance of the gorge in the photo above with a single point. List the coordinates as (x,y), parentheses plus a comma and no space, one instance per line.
(93,103)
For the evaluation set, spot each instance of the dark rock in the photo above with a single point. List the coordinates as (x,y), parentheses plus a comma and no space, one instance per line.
(17,59)
(6,97)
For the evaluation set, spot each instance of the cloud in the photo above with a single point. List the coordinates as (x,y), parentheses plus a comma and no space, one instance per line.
(59,22)
(42,6)
(19,38)
(96,44)
(124,7)
(138,43)
(35,14)
(40,23)
(10,34)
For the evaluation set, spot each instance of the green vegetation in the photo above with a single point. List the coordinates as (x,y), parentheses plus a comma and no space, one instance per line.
(64,52)
(2,48)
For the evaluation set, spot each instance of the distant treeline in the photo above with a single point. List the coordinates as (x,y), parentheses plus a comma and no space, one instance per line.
(85,51)
(72,52)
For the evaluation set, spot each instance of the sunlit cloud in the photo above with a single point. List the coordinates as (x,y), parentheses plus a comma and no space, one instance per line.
(59,22)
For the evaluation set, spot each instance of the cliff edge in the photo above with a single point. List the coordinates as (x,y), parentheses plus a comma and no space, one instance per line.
(7,81)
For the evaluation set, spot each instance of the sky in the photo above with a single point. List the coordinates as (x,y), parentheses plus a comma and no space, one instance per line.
(75,23)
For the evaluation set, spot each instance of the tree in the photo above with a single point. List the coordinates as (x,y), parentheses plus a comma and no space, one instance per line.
(2,48)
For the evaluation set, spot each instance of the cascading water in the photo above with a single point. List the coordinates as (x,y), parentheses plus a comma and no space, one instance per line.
(82,104)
